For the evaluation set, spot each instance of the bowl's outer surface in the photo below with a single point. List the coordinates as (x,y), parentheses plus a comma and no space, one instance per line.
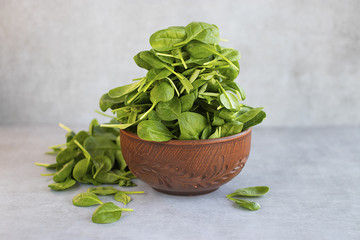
(186,167)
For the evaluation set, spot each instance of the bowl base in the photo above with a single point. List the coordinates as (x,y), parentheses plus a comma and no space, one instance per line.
(177,193)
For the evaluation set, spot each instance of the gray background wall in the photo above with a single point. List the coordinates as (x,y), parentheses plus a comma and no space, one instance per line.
(301,59)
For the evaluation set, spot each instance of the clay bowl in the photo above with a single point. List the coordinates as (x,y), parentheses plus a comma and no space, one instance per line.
(186,167)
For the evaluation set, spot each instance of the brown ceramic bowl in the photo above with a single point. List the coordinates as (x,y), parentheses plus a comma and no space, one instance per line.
(186,167)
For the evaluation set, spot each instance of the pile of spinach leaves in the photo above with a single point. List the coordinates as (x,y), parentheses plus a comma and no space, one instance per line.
(188,93)
(92,156)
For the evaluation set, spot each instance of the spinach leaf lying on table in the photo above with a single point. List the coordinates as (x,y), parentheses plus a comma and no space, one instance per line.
(189,74)
(248,192)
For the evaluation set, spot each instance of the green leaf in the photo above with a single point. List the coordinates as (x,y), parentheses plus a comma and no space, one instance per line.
(253,206)
(162,92)
(169,111)
(108,177)
(191,125)
(203,32)
(206,132)
(67,155)
(127,183)
(103,190)
(229,101)
(249,115)
(217,121)
(152,130)
(250,192)
(157,74)
(123,90)
(187,101)
(79,137)
(108,213)
(80,169)
(120,159)
(164,40)
(86,199)
(227,114)
(65,172)
(231,128)
(107,102)
(201,50)
(68,183)
(97,145)
(102,164)
(122,197)
(141,63)
(256,120)
(216,134)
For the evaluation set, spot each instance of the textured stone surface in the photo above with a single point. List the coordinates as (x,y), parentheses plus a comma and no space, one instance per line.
(300,58)
(313,175)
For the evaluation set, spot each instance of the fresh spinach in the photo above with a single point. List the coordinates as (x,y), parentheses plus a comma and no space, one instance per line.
(248,192)
(92,156)
(108,213)
(189,74)
(86,199)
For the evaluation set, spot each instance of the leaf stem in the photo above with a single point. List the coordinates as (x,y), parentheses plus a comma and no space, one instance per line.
(127,209)
(103,114)
(181,58)
(47,174)
(136,192)
(65,127)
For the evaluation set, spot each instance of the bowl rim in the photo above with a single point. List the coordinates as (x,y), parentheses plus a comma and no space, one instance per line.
(191,142)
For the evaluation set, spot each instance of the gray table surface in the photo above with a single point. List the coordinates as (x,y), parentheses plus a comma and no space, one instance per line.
(313,175)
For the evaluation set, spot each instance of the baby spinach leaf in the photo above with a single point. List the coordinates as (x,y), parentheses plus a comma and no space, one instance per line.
(153,116)
(231,128)
(103,190)
(217,121)
(123,90)
(152,130)
(67,155)
(253,206)
(164,40)
(230,73)
(98,145)
(108,213)
(206,132)
(256,120)
(229,101)
(250,191)
(122,197)
(141,63)
(227,114)
(108,177)
(102,164)
(201,50)
(187,101)
(204,32)
(191,125)
(162,92)
(249,114)
(66,170)
(216,134)
(80,169)
(107,102)
(170,110)
(86,199)
(120,159)
(127,183)
(68,183)
(79,137)
(157,74)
